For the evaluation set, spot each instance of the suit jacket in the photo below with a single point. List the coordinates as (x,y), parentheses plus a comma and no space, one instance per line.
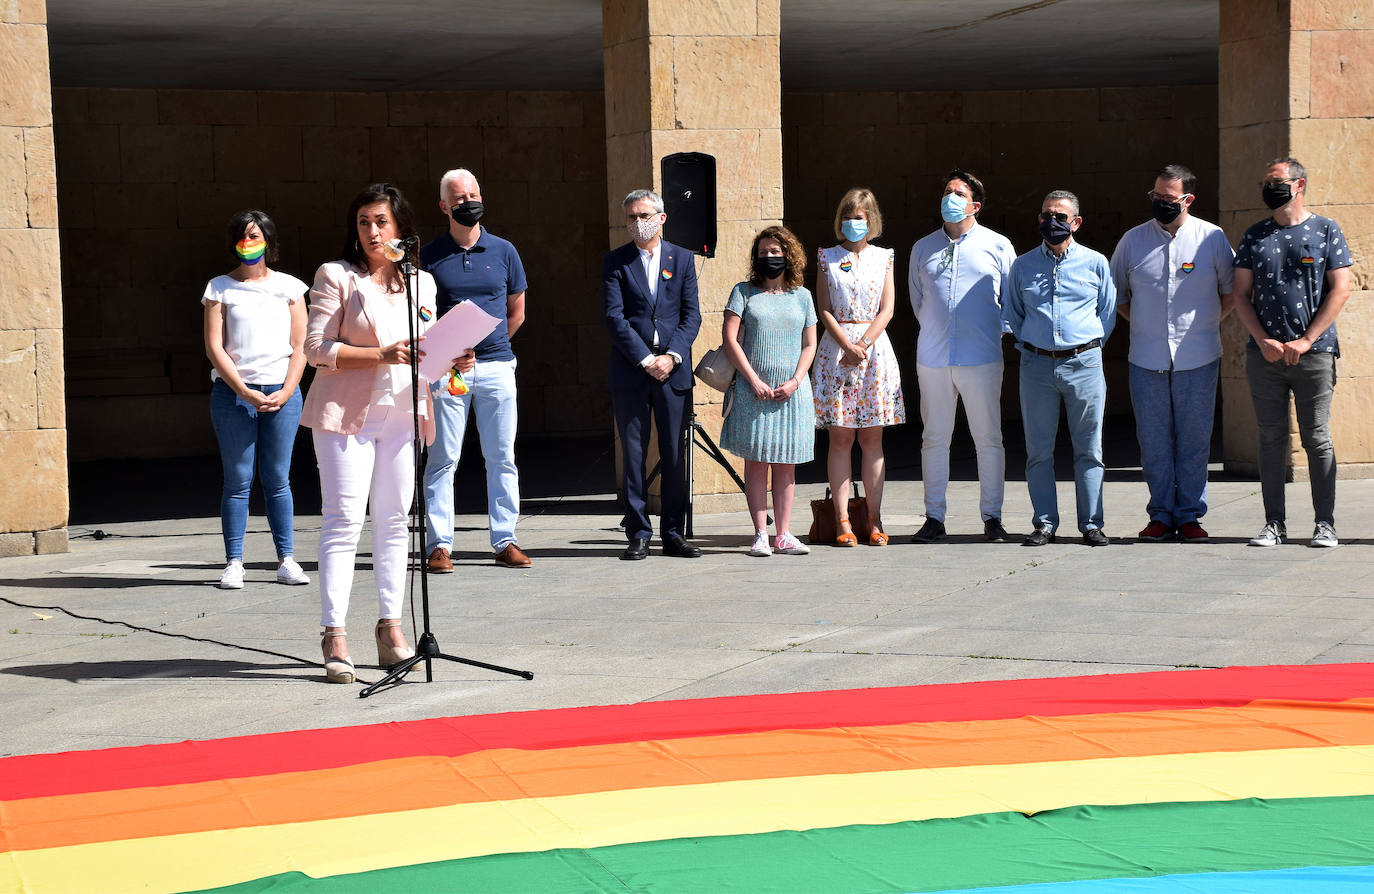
(632,315)
(341,314)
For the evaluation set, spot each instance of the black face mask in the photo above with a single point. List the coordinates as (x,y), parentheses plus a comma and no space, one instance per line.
(1276,195)
(769,266)
(1055,231)
(468,213)
(1166,212)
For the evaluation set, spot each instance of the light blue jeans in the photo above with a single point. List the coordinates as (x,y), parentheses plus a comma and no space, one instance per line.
(1173,422)
(250,440)
(491,398)
(1078,383)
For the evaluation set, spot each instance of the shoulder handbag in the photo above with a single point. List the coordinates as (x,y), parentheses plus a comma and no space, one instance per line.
(824,528)
(715,368)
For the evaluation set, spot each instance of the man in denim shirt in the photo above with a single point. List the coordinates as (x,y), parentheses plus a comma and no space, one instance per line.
(1060,306)
(1292,278)
(1173,282)
(957,274)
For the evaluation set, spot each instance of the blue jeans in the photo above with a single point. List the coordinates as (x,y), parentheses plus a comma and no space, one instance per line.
(491,397)
(1173,422)
(247,439)
(1079,384)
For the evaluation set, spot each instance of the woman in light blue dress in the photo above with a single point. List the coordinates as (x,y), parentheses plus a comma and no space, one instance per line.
(769,334)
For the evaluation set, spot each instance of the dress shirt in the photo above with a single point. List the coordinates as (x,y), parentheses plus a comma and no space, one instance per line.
(1172,284)
(652,259)
(1055,302)
(956,291)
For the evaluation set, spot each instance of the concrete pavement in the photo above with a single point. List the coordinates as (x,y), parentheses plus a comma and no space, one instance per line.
(173,657)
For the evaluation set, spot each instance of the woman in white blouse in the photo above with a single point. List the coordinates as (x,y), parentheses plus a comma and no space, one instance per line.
(254,332)
(360,408)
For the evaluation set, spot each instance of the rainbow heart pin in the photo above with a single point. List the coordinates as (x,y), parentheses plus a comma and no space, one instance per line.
(846,265)
(1187,266)
(426,314)
(667,274)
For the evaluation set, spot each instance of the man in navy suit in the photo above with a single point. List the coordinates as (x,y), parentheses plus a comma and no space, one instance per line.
(650,290)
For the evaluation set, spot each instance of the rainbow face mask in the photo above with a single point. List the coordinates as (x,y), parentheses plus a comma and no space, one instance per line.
(250,251)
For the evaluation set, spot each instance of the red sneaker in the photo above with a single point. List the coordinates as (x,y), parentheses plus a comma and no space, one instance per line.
(1192,532)
(1155,532)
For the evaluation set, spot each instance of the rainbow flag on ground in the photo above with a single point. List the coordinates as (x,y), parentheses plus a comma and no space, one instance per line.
(1257,780)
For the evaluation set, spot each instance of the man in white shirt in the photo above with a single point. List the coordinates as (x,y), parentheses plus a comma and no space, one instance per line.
(956,278)
(1173,280)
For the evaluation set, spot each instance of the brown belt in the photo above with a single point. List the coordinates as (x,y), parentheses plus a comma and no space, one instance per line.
(853,321)
(1065,352)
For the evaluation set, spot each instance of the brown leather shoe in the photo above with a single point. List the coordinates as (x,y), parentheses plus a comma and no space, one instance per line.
(439,562)
(513,557)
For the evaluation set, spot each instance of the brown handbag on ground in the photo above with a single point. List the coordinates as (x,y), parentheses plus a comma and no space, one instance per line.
(823,525)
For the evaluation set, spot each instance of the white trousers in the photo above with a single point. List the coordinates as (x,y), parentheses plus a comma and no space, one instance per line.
(377,459)
(980,388)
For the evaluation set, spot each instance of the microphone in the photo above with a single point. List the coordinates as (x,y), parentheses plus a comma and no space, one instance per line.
(396,249)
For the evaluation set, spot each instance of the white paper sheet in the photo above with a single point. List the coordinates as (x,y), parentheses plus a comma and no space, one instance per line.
(453,333)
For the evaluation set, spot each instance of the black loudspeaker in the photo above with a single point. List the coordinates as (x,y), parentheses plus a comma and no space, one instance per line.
(689,197)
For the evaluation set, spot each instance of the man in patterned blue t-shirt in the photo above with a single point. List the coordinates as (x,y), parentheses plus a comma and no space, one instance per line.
(1292,277)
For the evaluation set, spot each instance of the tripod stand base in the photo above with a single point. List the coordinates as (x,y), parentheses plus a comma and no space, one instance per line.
(427,650)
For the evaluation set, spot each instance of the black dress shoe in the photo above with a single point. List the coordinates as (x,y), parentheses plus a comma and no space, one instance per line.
(931,531)
(1095,537)
(638,549)
(1039,537)
(674,545)
(993,531)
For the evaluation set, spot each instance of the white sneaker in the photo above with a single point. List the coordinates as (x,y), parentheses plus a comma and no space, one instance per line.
(1324,535)
(1272,534)
(788,545)
(760,548)
(232,578)
(288,572)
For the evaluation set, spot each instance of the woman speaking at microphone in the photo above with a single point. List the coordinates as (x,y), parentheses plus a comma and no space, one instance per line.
(360,410)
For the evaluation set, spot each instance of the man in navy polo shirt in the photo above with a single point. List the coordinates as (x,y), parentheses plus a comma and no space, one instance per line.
(470,264)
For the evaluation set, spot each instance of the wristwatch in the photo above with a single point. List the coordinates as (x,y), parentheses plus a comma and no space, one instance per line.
(863,340)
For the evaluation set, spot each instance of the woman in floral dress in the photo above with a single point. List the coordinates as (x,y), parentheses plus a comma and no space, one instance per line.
(857,385)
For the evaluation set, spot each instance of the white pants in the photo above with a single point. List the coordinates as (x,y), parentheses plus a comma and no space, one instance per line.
(378,458)
(980,388)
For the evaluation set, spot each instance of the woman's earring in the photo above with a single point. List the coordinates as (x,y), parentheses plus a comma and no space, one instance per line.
(356,245)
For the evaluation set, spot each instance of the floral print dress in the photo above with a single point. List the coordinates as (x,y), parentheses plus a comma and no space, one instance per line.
(869,394)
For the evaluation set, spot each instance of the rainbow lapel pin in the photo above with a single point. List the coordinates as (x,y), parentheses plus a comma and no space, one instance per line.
(1308,260)
(846,265)
(667,275)
(1187,266)
(426,314)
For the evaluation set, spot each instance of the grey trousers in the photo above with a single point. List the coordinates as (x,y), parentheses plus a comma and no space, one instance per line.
(1311,383)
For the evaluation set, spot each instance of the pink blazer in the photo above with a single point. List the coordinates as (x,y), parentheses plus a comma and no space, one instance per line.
(341,313)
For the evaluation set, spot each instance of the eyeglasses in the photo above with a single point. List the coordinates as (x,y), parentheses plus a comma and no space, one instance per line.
(643,215)
(1156,197)
(1056,215)
(1264,183)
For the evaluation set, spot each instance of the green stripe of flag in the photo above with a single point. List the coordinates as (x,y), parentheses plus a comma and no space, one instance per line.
(1138,840)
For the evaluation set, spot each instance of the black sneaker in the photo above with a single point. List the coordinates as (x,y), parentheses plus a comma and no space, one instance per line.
(1039,537)
(1095,537)
(931,531)
(993,530)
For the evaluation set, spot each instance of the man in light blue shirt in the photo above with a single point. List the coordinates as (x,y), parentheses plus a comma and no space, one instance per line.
(1060,306)
(1173,282)
(956,277)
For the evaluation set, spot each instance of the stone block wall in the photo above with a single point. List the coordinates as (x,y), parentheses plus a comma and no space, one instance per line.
(150,177)
(33,439)
(1103,144)
(1314,102)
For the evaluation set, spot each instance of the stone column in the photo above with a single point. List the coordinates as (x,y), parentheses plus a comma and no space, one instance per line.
(698,76)
(1296,77)
(33,438)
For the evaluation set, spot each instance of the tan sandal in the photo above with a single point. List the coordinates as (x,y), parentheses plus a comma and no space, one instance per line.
(388,655)
(336,670)
(845,537)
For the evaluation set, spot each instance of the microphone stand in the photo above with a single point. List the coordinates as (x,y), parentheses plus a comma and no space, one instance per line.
(427,647)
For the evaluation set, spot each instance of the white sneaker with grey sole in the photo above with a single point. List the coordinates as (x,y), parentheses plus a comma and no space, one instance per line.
(760,549)
(1325,535)
(288,572)
(232,578)
(1272,534)
(788,545)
